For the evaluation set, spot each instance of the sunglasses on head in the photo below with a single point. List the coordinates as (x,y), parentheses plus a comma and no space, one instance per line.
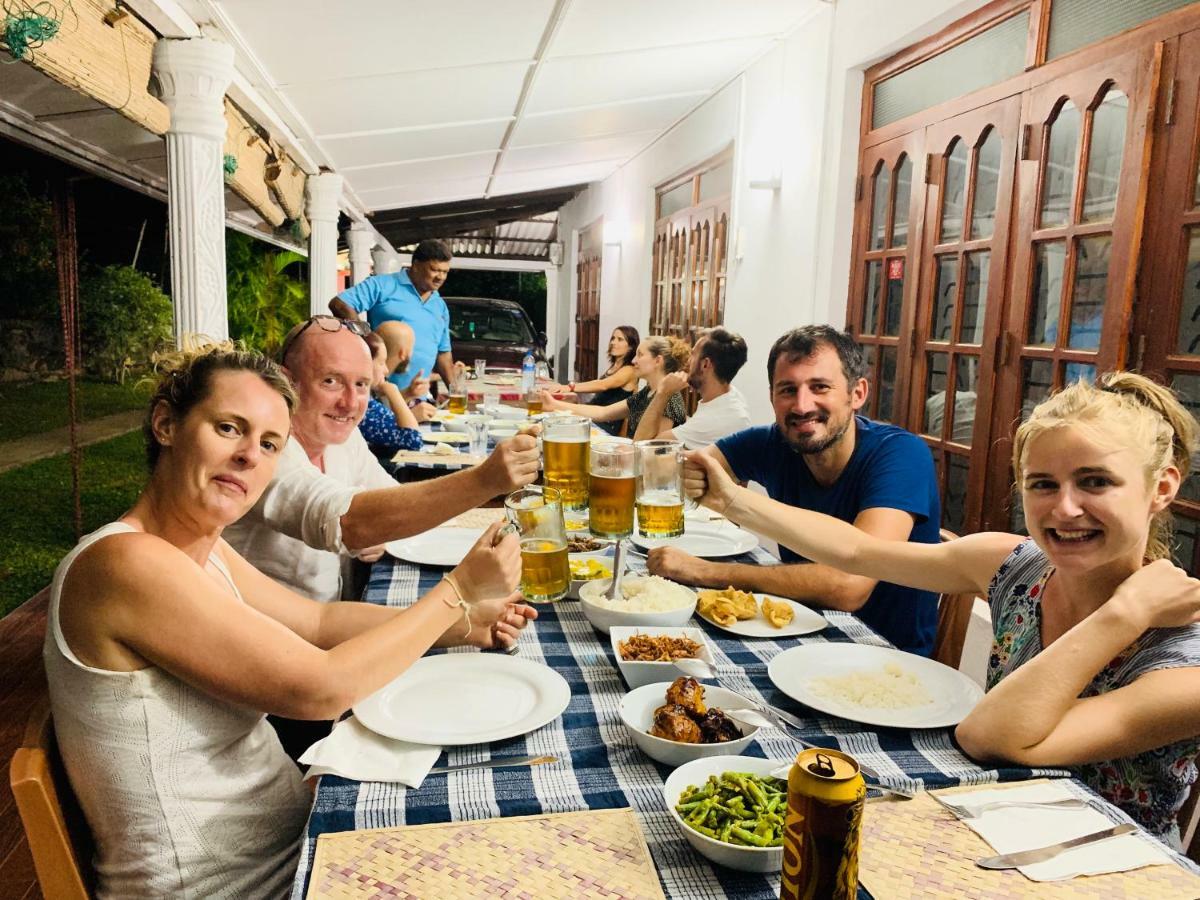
(325,323)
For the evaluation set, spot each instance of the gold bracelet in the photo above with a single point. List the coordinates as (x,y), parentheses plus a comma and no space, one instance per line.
(461,602)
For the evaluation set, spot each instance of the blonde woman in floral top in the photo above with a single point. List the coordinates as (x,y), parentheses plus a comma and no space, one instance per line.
(1096,660)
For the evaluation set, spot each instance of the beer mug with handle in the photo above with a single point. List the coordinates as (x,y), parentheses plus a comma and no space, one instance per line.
(659,488)
(611,490)
(537,513)
(565,443)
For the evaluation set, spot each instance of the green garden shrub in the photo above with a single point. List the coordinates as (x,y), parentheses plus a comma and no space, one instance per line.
(124,318)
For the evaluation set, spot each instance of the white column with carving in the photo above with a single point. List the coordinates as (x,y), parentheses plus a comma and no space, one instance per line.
(324,192)
(193,75)
(385,261)
(360,239)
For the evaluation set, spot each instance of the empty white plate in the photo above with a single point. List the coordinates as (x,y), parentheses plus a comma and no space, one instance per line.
(466,698)
(804,621)
(436,547)
(709,539)
(953,693)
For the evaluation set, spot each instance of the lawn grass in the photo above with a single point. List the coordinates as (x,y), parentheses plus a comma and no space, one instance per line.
(35,407)
(36,529)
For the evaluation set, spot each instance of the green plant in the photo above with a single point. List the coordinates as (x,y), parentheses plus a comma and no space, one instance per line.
(124,319)
(36,532)
(265,298)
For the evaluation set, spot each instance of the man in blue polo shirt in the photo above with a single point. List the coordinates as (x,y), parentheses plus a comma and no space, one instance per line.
(820,455)
(410,296)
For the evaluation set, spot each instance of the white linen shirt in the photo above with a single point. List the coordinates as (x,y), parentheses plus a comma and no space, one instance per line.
(714,419)
(294,532)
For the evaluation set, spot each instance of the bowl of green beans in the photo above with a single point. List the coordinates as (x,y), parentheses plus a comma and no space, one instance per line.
(731,810)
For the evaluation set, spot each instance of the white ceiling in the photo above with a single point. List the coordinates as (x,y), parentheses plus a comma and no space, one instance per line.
(419,103)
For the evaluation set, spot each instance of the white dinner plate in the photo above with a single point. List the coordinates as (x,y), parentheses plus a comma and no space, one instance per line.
(466,698)
(708,539)
(805,621)
(445,437)
(436,547)
(954,694)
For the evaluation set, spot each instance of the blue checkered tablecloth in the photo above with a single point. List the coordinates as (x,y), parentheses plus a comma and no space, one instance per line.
(601,768)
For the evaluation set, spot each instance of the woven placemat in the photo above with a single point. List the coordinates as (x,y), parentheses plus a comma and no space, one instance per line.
(404,457)
(481,517)
(918,849)
(565,855)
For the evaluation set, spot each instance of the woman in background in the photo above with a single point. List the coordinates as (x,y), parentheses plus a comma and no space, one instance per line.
(619,381)
(656,357)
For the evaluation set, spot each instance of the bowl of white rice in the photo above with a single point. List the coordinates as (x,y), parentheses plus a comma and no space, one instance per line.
(647,600)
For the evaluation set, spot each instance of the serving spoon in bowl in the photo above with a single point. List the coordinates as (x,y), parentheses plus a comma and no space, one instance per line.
(614,586)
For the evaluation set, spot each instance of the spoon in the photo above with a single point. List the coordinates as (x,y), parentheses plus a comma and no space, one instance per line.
(614,586)
(696,668)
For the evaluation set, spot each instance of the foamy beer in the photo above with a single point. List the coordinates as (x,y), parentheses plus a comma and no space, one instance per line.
(537,513)
(565,441)
(611,490)
(659,488)
(458,394)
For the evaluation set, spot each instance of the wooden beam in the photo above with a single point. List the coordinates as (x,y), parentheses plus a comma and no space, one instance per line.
(248,181)
(109,63)
(286,180)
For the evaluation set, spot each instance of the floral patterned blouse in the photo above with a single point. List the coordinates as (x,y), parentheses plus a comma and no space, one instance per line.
(380,428)
(1150,786)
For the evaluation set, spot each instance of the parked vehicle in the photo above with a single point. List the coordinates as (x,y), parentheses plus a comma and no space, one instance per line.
(499,331)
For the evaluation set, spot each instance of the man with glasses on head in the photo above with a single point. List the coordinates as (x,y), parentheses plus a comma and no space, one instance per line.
(821,455)
(330,500)
(410,296)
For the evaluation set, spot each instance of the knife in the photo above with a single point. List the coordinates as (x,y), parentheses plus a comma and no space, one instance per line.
(499,762)
(1041,854)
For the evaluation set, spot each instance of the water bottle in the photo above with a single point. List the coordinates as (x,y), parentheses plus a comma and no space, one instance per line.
(528,379)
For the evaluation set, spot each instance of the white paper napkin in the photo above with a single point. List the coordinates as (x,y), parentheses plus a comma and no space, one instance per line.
(1010,829)
(354,751)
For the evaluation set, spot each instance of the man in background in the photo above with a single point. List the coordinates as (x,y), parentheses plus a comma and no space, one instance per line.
(717,357)
(410,296)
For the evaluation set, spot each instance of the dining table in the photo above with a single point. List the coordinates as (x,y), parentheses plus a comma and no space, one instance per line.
(599,766)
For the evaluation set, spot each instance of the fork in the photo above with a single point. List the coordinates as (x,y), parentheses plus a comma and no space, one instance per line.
(964,811)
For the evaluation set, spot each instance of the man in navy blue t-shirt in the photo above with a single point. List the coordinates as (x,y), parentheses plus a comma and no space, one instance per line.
(821,456)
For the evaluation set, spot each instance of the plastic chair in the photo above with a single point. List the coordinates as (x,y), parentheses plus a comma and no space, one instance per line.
(954,615)
(58,835)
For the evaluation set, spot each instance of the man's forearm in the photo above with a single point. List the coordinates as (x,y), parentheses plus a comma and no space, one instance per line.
(813,584)
(445,367)
(342,309)
(388,514)
(647,429)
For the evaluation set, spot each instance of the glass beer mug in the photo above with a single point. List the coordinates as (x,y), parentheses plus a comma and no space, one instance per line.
(565,443)
(611,490)
(537,514)
(659,488)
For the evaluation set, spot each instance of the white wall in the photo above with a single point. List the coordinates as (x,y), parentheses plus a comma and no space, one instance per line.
(796,112)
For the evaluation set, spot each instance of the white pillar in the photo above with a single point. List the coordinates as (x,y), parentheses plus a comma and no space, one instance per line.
(193,75)
(324,192)
(360,238)
(385,261)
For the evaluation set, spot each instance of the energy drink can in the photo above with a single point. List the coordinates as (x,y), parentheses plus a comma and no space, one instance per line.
(823,827)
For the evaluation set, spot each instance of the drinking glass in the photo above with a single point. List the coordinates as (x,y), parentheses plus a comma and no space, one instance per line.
(477,430)
(541,371)
(537,514)
(565,443)
(611,490)
(480,368)
(533,402)
(458,393)
(659,488)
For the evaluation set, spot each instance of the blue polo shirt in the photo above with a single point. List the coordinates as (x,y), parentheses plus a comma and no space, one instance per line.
(392,297)
(891,468)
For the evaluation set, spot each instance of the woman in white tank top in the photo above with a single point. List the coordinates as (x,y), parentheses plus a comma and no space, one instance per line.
(165,648)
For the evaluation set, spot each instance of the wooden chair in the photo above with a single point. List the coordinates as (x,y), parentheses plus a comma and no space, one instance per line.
(58,836)
(954,615)
(1189,818)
